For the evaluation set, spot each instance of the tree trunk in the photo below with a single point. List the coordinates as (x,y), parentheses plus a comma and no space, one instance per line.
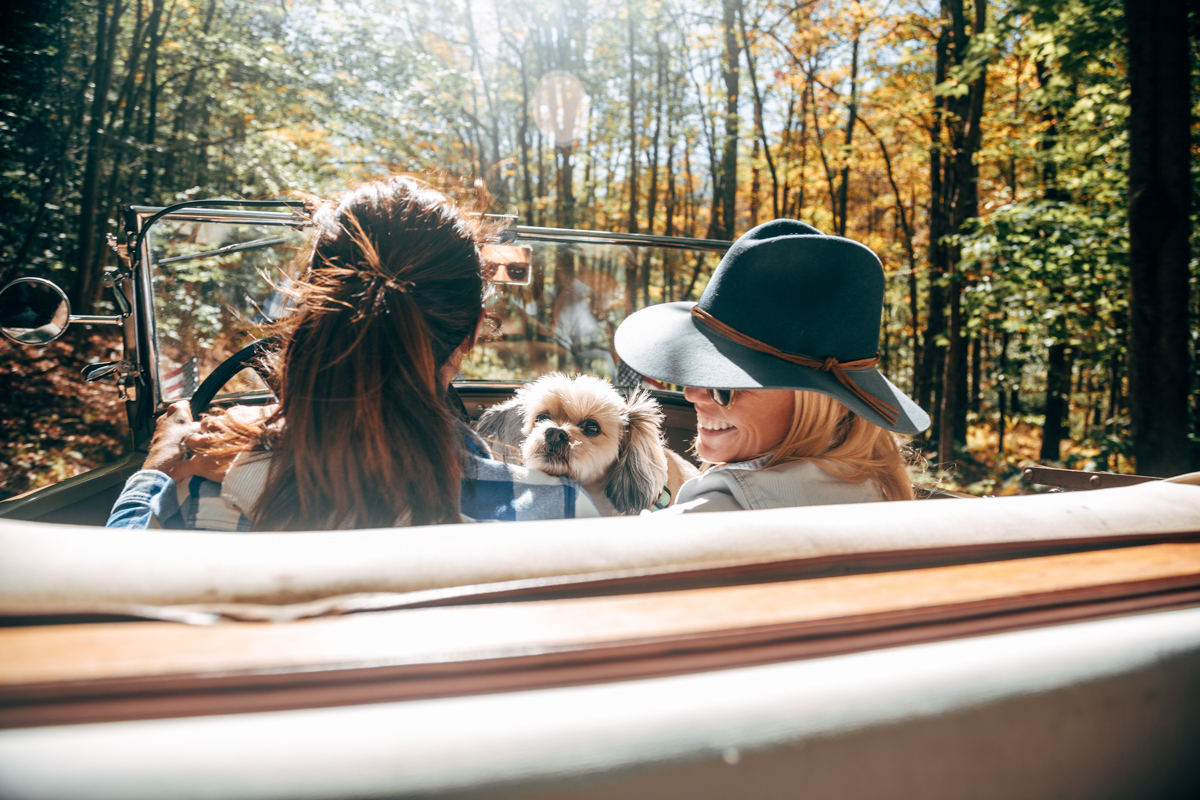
(1002,389)
(633,151)
(1114,396)
(589,159)
(539,218)
(72,120)
(967,144)
(1088,388)
(804,98)
(851,118)
(953,379)
(566,186)
(107,29)
(759,130)
(1014,394)
(755,186)
(147,160)
(976,374)
(689,206)
(933,357)
(523,135)
(1058,381)
(670,175)
(652,199)
(730,70)
(1160,188)
(959,349)
(785,154)
(480,158)
(820,139)
(964,116)
(652,196)
(181,120)
(128,101)
(909,252)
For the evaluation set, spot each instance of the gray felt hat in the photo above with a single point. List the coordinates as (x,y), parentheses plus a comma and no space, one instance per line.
(787,308)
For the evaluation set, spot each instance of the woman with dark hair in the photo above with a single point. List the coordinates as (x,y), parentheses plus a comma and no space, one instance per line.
(363,435)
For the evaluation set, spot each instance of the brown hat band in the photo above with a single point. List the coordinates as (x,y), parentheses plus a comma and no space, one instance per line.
(827,364)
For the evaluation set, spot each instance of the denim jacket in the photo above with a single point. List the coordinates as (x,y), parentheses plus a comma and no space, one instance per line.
(490,491)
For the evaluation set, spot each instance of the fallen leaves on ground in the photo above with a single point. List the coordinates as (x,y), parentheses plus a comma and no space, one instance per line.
(983,469)
(55,424)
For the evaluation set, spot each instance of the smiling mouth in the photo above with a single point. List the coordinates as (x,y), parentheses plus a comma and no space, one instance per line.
(709,424)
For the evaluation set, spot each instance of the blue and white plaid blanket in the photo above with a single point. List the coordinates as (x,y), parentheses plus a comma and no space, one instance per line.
(491,491)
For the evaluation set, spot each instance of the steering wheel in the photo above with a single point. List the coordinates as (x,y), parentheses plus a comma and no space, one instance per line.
(249,356)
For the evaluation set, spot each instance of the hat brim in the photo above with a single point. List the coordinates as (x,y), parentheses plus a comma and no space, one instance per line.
(667,343)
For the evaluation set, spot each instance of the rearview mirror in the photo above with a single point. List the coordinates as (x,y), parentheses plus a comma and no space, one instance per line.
(508,263)
(33,311)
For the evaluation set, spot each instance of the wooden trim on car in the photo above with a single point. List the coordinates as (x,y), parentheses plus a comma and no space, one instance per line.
(76,673)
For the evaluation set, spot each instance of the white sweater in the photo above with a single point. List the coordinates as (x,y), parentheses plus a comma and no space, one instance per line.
(751,485)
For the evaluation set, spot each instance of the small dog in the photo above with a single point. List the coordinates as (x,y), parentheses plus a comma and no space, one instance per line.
(581,427)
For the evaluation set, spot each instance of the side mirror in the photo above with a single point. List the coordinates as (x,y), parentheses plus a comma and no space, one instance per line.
(33,311)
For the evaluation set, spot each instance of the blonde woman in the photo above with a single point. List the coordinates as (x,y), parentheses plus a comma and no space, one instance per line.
(784,342)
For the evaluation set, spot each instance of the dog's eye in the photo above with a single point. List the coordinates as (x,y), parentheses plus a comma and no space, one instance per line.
(591,428)
(543,417)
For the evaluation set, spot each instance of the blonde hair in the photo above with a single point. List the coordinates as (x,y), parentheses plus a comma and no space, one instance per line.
(845,445)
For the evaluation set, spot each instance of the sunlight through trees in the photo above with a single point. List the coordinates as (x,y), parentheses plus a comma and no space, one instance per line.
(985,150)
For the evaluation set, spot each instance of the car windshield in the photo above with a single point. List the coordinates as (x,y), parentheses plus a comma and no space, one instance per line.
(214,282)
(579,292)
(216,278)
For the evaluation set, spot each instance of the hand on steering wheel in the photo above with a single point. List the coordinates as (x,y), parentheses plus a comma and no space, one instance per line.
(249,356)
(177,431)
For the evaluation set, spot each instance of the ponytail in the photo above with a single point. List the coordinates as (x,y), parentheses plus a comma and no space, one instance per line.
(363,436)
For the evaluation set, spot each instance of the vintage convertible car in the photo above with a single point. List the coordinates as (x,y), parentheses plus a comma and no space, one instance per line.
(1037,646)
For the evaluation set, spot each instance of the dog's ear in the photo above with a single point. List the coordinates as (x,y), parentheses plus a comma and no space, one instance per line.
(637,477)
(502,426)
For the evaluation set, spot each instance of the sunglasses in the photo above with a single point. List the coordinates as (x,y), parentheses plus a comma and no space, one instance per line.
(723,397)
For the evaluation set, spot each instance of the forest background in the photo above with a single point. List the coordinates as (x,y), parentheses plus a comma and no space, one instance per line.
(1025,168)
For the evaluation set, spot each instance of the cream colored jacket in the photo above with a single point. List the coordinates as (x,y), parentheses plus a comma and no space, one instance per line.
(751,484)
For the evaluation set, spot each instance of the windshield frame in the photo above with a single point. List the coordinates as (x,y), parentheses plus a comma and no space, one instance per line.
(143,219)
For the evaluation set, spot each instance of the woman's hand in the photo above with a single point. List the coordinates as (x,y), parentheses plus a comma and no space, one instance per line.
(168,452)
(208,432)
(177,438)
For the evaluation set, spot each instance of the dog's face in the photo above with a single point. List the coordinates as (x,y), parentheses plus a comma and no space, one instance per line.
(574,427)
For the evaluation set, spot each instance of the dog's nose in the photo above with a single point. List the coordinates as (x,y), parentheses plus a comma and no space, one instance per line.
(556,436)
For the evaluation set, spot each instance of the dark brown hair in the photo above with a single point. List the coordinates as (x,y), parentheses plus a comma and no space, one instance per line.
(363,434)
